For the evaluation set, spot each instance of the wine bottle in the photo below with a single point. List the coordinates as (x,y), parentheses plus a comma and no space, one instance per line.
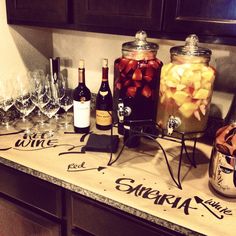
(104,103)
(81,103)
(54,66)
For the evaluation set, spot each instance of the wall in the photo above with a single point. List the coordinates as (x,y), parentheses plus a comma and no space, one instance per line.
(73,45)
(21,48)
(25,48)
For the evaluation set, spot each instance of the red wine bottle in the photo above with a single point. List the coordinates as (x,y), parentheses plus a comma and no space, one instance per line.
(104,103)
(81,103)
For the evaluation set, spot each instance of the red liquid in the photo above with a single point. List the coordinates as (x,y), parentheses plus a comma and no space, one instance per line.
(137,83)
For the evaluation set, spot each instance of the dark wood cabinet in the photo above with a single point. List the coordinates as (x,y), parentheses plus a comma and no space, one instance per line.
(37,207)
(214,21)
(18,221)
(89,217)
(210,18)
(32,205)
(39,12)
(124,16)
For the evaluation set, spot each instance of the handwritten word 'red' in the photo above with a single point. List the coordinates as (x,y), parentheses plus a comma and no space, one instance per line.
(36,141)
(75,167)
(124,185)
(81,167)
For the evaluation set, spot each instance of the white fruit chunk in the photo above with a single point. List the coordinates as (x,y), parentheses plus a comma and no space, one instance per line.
(180,97)
(165,69)
(201,94)
(180,87)
(187,109)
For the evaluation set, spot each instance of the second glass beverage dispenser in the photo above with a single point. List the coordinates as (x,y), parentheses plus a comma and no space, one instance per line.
(186,89)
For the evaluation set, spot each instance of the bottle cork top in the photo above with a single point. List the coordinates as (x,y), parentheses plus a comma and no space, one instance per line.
(81,63)
(105,63)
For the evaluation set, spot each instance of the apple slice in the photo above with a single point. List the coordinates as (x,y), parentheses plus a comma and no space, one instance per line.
(165,69)
(131,91)
(122,64)
(180,97)
(187,109)
(132,64)
(154,64)
(146,92)
(137,75)
(201,94)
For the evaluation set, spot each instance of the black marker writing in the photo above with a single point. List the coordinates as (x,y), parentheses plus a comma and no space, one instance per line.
(125,185)
(81,167)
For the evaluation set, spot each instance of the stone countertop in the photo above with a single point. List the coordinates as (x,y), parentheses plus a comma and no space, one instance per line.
(138,182)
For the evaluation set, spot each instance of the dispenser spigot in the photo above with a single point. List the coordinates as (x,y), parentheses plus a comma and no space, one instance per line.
(122,111)
(173,123)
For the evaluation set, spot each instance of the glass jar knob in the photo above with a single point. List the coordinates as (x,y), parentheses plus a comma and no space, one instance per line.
(140,38)
(191,43)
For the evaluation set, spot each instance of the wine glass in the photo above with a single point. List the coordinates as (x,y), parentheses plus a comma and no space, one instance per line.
(6,102)
(51,107)
(57,81)
(66,103)
(23,102)
(39,93)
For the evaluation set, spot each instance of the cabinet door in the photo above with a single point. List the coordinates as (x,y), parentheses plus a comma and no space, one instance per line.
(17,221)
(38,12)
(123,16)
(87,217)
(203,17)
(32,191)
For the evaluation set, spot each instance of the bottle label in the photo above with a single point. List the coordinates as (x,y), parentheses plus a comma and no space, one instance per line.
(81,114)
(103,117)
(103,93)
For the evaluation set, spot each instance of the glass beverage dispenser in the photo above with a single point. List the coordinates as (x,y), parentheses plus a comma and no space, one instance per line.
(185,89)
(137,77)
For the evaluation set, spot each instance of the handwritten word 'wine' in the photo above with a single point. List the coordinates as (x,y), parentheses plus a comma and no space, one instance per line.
(36,141)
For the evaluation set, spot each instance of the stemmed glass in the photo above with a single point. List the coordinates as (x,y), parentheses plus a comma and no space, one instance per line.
(6,102)
(66,102)
(39,93)
(51,107)
(23,102)
(58,90)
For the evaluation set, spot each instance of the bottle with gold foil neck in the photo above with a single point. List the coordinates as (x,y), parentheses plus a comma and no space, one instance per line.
(104,103)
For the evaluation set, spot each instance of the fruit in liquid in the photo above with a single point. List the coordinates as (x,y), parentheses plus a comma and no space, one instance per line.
(137,83)
(185,92)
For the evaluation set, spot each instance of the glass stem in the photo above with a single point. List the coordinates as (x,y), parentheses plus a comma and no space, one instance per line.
(66,117)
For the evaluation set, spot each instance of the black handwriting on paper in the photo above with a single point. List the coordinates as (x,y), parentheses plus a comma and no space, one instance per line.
(36,141)
(81,167)
(200,201)
(128,186)
(218,207)
(125,185)
(40,141)
(76,167)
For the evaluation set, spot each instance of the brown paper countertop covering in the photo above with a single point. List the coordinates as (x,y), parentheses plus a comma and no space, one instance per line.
(138,183)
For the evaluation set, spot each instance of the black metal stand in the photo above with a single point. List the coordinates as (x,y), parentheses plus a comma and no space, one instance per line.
(180,137)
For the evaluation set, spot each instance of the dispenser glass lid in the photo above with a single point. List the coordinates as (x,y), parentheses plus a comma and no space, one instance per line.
(140,43)
(191,48)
